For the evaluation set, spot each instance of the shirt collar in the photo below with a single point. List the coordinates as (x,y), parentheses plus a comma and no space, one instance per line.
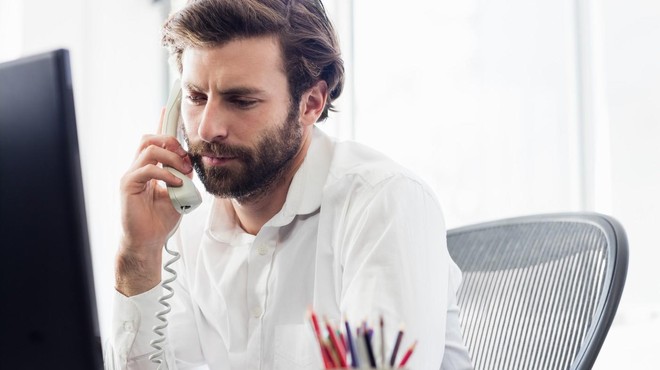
(222,224)
(304,195)
(306,190)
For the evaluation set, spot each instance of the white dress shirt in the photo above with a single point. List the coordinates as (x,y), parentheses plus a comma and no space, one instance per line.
(357,236)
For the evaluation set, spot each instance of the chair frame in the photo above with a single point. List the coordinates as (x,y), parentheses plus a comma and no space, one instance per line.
(614,278)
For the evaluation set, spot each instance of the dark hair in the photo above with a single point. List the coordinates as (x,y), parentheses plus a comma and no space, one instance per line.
(309,45)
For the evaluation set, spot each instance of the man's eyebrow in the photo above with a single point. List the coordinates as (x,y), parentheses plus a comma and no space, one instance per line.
(191,87)
(239,90)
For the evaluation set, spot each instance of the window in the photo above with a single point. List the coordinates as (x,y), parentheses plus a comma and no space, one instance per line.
(478,99)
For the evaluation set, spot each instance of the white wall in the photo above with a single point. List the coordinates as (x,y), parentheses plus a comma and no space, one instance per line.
(477,98)
(631,72)
(123,82)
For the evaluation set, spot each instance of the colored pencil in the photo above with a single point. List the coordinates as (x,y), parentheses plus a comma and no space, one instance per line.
(355,361)
(342,341)
(315,324)
(328,355)
(361,346)
(367,342)
(335,343)
(332,354)
(397,343)
(406,357)
(327,359)
(382,341)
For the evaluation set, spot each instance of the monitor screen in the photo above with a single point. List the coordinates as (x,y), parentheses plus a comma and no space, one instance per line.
(48,317)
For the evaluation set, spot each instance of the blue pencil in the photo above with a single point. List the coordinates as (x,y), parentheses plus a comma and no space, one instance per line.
(355,360)
(370,350)
(396,346)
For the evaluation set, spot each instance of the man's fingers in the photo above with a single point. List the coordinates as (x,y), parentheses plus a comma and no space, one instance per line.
(135,182)
(166,142)
(153,155)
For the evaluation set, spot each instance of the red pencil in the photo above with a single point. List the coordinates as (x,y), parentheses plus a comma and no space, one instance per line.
(407,355)
(330,355)
(327,354)
(335,343)
(315,323)
(327,359)
(342,340)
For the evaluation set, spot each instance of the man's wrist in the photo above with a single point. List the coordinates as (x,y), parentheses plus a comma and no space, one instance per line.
(136,274)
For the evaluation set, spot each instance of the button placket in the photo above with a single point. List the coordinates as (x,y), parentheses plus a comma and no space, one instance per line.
(262,249)
(257,312)
(259,265)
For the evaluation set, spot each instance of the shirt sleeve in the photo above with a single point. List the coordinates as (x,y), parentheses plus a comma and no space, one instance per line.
(456,355)
(395,264)
(132,331)
(133,322)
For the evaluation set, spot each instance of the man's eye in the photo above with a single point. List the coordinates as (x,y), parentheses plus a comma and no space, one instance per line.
(195,98)
(243,103)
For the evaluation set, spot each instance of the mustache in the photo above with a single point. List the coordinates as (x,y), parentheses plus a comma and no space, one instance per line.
(218,150)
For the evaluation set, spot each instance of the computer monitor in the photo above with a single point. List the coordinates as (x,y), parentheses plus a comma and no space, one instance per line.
(48,317)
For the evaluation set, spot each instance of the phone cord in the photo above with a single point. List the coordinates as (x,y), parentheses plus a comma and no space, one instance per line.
(157,357)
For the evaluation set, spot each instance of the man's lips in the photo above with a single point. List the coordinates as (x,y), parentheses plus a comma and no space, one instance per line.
(215,160)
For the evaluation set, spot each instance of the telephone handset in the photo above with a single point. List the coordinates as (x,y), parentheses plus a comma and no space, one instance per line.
(186,197)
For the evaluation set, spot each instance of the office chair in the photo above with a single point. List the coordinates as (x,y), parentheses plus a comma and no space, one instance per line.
(539,292)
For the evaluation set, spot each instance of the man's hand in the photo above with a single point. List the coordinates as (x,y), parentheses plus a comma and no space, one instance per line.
(148,216)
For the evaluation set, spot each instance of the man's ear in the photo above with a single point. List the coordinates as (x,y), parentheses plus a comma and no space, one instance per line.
(312,103)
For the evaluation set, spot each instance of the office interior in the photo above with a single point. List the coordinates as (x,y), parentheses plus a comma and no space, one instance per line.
(506,107)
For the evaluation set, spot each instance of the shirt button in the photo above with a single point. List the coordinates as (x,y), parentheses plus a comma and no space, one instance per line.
(128,326)
(262,249)
(256,312)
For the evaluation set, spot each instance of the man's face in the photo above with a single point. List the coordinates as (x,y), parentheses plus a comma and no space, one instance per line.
(241,126)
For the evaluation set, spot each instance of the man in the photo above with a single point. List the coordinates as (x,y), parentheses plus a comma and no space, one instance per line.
(294,219)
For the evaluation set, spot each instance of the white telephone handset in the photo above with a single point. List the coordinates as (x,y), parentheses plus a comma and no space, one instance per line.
(186,197)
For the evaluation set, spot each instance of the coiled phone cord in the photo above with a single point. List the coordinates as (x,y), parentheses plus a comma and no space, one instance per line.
(159,330)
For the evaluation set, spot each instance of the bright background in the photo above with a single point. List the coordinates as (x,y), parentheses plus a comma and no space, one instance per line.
(506,107)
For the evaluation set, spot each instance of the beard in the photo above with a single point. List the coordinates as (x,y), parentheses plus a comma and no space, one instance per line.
(255,169)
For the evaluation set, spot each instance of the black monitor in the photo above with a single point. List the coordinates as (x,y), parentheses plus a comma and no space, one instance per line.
(48,317)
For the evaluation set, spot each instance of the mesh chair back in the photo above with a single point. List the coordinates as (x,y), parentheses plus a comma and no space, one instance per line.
(539,292)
